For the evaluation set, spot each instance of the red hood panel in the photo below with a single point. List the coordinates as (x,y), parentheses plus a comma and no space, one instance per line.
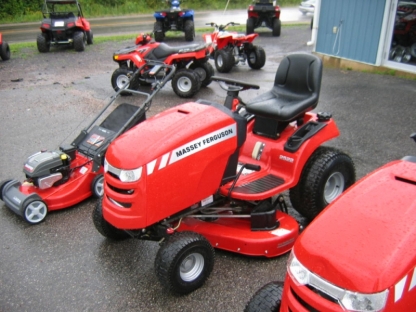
(366,240)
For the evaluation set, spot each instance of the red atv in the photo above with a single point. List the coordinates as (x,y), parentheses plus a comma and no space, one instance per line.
(230,48)
(4,49)
(264,14)
(358,254)
(204,175)
(58,179)
(63,24)
(193,70)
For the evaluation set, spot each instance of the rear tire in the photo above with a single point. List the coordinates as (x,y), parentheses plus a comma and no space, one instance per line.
(224,61)
(266,299)
(79,41)
(205,72)
(189,30)
(250,26)
(43,43)
(256,57)
(90,37)
(121,77)
(277,25)
(103,227)
(186,83)
(5,51)
(327,174)
(158,31)
(184,262)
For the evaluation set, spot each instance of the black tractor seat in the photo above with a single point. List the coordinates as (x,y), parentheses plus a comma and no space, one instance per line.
(296,91)
(164,50)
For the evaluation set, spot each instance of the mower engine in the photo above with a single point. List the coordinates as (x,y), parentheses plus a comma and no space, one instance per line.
(47,168)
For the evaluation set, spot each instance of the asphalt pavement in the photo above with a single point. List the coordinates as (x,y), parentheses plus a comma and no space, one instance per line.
(64,264)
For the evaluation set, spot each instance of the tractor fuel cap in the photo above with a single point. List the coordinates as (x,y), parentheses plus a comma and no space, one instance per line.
(324,116)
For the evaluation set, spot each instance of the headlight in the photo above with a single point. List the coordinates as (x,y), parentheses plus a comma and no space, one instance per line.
(130,175)
(350,301)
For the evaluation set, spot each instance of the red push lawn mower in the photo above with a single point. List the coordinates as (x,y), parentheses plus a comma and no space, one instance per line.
(63,24)
(61,178)
(4,49)
(229,49)
(358,254)
(204,175)
(264,13)
(193,70)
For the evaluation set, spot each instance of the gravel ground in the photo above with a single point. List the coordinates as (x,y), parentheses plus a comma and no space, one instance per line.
(64,264)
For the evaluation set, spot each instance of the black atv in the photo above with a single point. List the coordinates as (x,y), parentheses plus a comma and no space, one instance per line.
(264,13)
(63,24)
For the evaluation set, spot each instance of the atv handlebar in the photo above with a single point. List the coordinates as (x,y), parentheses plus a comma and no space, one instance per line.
(234,85)
(222,27)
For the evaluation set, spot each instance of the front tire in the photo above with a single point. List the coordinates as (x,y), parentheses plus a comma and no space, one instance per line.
(189,30)
(103,227)
(43,43)
(277,26)
(327,174)
(205,72)
(184,262)
(158,31)
(186,83)
(266,299)
(79,41)
(224,61)
(121,77)
(250,26)
(256,57)
(5,51)
(35,211)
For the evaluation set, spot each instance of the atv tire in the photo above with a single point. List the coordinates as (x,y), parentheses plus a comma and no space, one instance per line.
(34,211)
(250,26)
(277,25)
(205,72)
(256,57)
(97,186)
(103,227)
(327,174)
(266,299)
(79,41)
(184,262)
(224,61)
(189,29)
(90,37)
(121,77)
(186,83)
(158,31)
(5,51)
(43,43)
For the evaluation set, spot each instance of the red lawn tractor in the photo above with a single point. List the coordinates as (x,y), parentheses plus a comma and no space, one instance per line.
(63,24)
(203,175)
(358,254)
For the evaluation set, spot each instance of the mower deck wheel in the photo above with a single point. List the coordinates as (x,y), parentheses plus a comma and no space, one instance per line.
(184,262)
(266,299)
(35,211)
(97,186)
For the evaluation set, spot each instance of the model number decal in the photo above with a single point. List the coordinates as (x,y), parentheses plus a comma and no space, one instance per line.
(203,142)
(286,158)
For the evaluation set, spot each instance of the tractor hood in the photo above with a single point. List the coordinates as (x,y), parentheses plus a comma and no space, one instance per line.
(173,135)
(365,241)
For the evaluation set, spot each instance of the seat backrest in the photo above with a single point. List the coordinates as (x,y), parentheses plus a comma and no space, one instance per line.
(299,75)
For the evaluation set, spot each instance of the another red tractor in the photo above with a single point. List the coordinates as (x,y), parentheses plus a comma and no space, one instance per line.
(358,254)
(4,49)
(63,24)
(203,175)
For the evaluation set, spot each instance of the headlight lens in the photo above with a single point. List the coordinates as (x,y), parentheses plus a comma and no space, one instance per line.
(350,301)
(130,175)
